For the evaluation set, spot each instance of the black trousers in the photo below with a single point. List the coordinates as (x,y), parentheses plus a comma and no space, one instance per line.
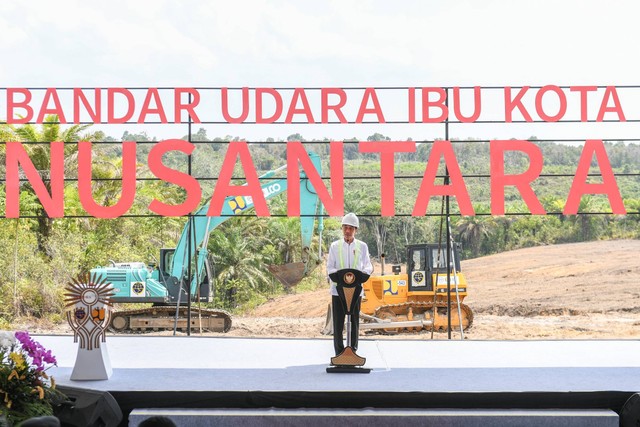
(338,324)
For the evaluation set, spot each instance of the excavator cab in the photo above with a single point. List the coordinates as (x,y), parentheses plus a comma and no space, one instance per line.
(172,284)
(166,257)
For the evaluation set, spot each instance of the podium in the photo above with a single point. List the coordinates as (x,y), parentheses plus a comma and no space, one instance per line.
(349,285)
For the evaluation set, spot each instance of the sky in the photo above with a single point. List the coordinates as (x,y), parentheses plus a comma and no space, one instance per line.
(341,43)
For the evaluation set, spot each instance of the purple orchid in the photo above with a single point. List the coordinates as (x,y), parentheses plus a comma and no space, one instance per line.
(36,351)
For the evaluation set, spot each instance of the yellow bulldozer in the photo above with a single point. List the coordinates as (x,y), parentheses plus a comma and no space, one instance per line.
(419,298)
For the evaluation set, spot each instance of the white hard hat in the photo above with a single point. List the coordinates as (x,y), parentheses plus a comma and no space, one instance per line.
(351,219)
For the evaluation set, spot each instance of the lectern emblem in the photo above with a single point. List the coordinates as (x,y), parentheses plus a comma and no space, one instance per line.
(349,278)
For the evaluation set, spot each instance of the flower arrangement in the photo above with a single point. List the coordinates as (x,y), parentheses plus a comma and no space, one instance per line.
(26,390)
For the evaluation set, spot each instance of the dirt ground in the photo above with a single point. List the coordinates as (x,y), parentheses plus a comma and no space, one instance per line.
(571,291)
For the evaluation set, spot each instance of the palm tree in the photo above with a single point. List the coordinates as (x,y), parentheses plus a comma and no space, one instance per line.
(235,260)
(49,131)
(286,237)
(587,222)
(472,229)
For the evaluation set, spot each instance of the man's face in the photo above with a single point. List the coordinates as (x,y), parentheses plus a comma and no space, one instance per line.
(348,232)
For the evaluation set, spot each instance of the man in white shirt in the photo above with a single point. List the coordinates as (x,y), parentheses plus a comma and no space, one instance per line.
(347,252)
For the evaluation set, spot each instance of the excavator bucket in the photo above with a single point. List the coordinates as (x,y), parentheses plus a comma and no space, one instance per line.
(288,274)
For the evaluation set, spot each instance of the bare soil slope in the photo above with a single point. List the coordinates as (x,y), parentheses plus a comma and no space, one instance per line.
(570,291)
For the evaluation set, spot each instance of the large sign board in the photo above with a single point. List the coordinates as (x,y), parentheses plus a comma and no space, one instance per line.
(578,105)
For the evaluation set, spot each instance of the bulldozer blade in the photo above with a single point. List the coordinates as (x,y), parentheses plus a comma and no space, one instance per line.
(288,274)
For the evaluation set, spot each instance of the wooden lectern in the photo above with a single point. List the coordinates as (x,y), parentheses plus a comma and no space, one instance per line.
(349,285)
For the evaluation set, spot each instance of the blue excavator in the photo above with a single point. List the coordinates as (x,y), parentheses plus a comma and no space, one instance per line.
(164,283)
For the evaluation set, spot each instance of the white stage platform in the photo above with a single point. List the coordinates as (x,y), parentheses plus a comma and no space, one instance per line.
(175,364)
(204,380)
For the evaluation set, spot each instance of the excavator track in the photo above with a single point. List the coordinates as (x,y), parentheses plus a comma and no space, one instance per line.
(408,311)
(160,318)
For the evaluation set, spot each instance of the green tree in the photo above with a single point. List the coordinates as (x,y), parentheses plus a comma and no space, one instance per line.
(49,131)
(471,230)
(236,261)
(285,235)
(138,137)
(199,136)
(378,137)
(587,224)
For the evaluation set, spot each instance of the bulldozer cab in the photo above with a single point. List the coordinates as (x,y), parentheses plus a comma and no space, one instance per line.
(425,260)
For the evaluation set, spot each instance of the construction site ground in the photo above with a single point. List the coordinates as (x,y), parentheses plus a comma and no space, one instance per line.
(570,291)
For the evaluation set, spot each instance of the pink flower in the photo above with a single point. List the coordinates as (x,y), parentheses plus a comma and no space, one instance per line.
(39,355)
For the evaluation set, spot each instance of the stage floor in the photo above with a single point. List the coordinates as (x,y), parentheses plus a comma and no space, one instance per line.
(196,364)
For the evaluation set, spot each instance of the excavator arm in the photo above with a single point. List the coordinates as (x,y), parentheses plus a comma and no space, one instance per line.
(195,235)
(164,287)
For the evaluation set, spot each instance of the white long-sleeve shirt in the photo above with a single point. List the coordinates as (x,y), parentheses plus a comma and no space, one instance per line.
(350,259)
